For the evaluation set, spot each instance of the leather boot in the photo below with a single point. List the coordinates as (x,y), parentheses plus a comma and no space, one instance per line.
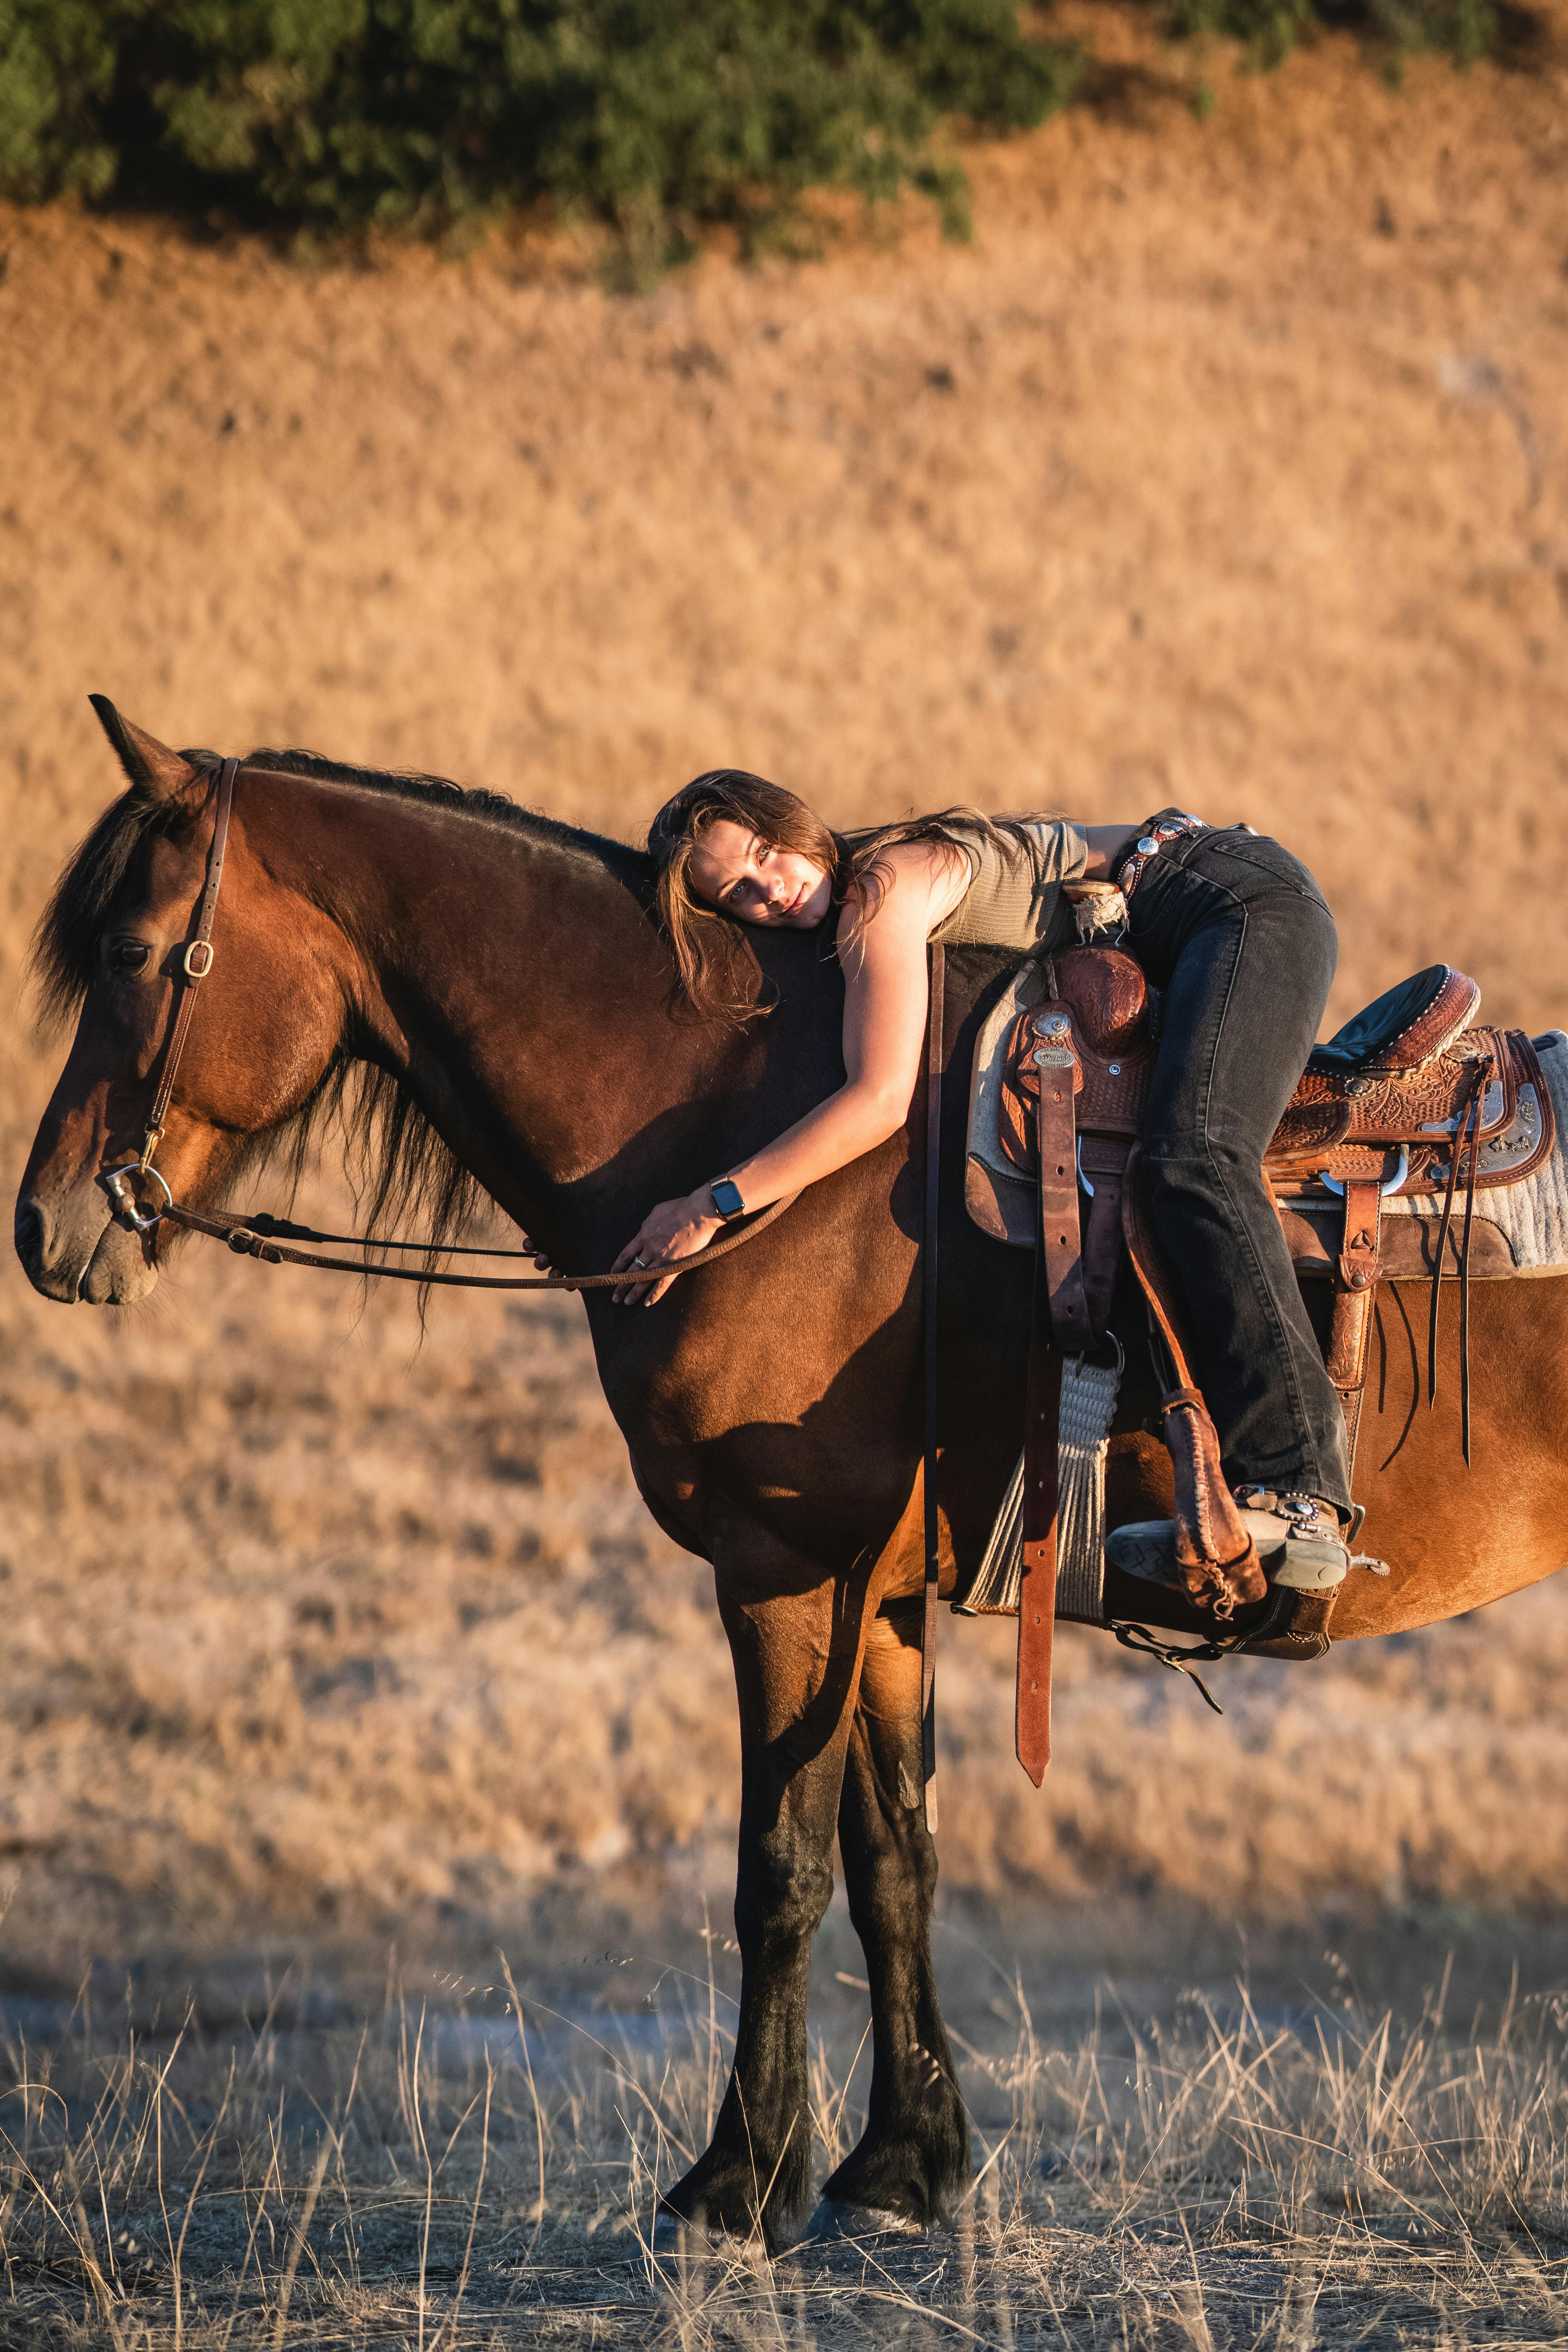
(1298,1539)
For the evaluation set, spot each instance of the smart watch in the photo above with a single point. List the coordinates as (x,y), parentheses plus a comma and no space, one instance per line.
(725,1195)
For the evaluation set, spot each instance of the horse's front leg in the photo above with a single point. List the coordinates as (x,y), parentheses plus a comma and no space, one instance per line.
(796,1656)
(912,2159)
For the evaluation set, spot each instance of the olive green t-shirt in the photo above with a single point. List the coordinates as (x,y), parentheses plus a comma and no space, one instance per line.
(1020,901)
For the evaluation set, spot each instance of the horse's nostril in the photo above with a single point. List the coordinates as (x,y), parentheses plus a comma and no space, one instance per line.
(29,1234)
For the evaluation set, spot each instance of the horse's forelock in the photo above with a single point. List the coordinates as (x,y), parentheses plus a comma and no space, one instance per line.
(63,950)
(65,944)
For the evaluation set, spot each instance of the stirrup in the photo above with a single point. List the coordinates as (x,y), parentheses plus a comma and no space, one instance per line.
(1294,1546)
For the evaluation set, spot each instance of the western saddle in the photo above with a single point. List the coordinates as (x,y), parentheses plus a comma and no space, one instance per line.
(1403,1100)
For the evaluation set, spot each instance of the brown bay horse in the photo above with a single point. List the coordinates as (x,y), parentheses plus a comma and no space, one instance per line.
(494,985)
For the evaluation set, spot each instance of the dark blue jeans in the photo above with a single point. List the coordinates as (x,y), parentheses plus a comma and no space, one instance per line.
(1238,935)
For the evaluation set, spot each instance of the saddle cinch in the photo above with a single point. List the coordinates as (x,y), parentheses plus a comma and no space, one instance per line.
(1407,1099)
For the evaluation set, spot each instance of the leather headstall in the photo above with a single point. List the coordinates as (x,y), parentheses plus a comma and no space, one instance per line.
(196,963)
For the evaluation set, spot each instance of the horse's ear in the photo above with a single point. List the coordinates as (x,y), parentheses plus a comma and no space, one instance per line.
(157,772)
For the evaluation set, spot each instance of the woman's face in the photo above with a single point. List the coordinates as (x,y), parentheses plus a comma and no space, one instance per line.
(734,868)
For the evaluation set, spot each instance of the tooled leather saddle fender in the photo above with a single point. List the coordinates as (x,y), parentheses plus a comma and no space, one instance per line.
(1404,1099)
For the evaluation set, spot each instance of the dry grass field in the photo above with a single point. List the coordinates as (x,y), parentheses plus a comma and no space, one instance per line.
(1223,2176)
(1228,467)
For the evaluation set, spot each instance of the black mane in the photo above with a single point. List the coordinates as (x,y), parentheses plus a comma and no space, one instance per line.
(398,1165)
(632,867)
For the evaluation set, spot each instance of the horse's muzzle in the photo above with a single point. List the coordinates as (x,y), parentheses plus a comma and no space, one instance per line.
(81,1257)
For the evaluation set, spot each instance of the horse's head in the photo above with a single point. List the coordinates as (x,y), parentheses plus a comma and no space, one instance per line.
(265,1030)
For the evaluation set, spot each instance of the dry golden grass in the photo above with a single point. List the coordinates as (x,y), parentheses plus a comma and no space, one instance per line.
(1226,468)
(1220,2175)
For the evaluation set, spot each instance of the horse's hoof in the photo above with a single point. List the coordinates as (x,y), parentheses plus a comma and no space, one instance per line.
(672,2235)
(836,2222)
(663,2237)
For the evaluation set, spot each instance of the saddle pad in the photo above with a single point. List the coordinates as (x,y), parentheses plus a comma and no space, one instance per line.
(999,1197)
(1532,1214)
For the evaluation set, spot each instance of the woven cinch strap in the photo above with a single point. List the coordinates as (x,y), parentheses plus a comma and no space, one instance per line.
(1088,1405)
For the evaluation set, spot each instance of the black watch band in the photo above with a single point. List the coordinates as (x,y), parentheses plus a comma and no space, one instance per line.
(725,1195)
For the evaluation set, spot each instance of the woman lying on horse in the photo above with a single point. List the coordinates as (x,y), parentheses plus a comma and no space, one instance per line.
(1227,924)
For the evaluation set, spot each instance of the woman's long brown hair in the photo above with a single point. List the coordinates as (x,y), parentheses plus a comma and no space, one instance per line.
(716,977)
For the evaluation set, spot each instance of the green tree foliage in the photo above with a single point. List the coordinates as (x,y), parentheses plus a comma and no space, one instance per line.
(655,116)
(649,114)
(1462,29)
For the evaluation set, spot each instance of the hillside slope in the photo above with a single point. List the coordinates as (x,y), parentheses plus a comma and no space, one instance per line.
(1227,467)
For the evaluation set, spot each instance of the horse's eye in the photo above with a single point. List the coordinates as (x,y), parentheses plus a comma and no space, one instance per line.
(129,956)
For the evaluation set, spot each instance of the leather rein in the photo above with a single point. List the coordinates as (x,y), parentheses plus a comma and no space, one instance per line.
(257,1236)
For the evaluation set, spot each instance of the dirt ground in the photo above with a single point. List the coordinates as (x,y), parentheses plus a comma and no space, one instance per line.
(1226,468)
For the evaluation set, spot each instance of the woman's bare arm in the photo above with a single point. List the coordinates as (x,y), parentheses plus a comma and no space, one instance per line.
(1107,845)
(882,946)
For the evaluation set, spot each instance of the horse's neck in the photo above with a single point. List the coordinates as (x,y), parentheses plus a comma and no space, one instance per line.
(516,984)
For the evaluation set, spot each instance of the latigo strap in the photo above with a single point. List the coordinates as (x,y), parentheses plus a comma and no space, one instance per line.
(1058,1325)
(1038,1591)
(1056,1135)
(1355,1295)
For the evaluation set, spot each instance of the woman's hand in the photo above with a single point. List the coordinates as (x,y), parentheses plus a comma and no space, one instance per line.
(676,1229)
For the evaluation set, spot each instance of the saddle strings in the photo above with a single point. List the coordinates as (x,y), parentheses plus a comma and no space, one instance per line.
(1465,1263)
(1466,1137)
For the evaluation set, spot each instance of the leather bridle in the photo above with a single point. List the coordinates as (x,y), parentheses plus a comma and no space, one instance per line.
(255,1237)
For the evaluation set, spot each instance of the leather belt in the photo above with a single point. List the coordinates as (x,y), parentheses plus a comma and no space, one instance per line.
(1149,845)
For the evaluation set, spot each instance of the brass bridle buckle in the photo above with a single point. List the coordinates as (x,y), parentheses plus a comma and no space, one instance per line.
(127,1209)
(204,949)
